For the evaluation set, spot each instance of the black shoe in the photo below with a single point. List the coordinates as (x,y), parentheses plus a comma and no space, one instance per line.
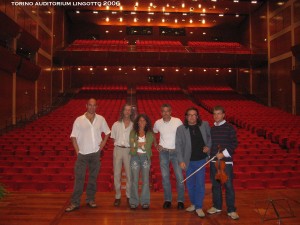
(180,205)
(167,205)
(117,202)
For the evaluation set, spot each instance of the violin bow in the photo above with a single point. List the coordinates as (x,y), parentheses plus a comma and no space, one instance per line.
(199,169)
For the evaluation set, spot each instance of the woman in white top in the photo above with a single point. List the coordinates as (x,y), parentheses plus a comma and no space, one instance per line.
(141,139)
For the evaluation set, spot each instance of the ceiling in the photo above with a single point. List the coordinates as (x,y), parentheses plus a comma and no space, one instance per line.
(172,13)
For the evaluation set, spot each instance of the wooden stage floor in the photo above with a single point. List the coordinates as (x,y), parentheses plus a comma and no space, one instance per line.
(20,208)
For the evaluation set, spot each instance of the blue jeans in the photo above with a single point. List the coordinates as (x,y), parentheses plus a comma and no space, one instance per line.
(139,163)
(196,183)
(217,188)
(165,158)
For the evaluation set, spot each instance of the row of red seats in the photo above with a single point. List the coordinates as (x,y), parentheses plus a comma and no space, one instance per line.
(157,87)
(105,87)
(100,42)
(145,48)
(158,43)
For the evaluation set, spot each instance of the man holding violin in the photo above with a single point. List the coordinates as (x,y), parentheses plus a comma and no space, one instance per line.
(224,143)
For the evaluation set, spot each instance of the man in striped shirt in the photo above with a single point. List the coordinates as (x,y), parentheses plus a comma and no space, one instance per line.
(223,136)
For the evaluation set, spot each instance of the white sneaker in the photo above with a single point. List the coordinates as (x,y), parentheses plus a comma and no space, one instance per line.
(200,213)
(191,208)
(233,215)
(213,210)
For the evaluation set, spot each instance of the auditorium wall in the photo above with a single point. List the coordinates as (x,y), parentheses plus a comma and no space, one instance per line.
(5,98)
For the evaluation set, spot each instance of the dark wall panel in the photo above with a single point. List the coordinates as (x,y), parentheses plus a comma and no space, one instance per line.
(5,98)
(25,98)
(281,84)
(280,20)
(281,45)
(260,83)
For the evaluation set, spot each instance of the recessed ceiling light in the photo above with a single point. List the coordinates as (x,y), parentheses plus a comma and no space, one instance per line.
(107,7)
(91,68)
(107,31)
(77,11)
(120,68)
(199,6)
(235,1)
(121,8)
(78,68)
(149,20)
(280,3)
(253,2)
(135,20)
(163,20)
(221,14)
(95,12)
(105,68)
(120,31)
(204,70)
(151,4)
(203,10)
(133,68)
(237,15)
(107,19)
(163,69)
(204,33)
(229,70)
(113,12)
(191,70)
(148,69)
(175,20)
(184,14)
(217,70)
(191,32)
(151,13)
(203,21)
(177,70)
(191,21)
(182,5)
(136,4)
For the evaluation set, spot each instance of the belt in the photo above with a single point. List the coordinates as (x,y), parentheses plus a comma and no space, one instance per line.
(122,146)
(168,150)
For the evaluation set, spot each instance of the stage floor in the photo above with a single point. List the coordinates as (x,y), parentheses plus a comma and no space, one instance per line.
(19,208)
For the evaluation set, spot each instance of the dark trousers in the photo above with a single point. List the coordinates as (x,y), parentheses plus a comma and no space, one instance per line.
(217,188)
(92,161)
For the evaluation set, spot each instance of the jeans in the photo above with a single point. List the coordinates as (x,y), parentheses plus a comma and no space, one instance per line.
(121,157)
(165,158)
(93,162)
(196,183)
(217,188)
(140,163)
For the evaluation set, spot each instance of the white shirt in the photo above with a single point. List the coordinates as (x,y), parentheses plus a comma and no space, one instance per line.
(141,139)
(87,134)
(121,134)
(167,131)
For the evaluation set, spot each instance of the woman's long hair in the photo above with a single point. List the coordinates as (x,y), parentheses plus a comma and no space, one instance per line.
(186,123)
(148,126)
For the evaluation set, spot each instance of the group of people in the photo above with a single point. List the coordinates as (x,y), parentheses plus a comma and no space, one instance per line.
(187,146)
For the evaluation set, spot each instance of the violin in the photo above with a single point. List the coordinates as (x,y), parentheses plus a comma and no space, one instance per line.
(220,166)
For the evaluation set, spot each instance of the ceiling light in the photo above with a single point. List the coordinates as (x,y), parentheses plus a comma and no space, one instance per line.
(253,2)
(229,70)
(91,69)
(237,15)
(77,11)
(191,21)
(149,20)
(199,6)
(148,69)
(121,19)
(182,5)
(221,14)
(235,1)
(107,19)
(163,69)
(184,14)
(120,31)
(136,4)
(213,0)
(121,8)
(151,13)
(280,3)
(203,10)
(217,70)
(175,20)
(204,33)
(167,14)
(120,68)
(113,12)
(107,31)
(163,20)
(151,4)
(95,12)
(105,68)
(134,68)
(204,70)
(203,21)
(177,70)
(107,7)
(202,14)
(191,70)
(191,32)
(163,9)
(78,68)
(132,13)
(135,20)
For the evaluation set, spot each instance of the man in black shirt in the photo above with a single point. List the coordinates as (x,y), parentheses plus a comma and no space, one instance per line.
(193,142)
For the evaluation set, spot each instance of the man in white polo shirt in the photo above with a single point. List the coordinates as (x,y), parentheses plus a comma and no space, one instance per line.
(120,132)
(167,127)
(87,142)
